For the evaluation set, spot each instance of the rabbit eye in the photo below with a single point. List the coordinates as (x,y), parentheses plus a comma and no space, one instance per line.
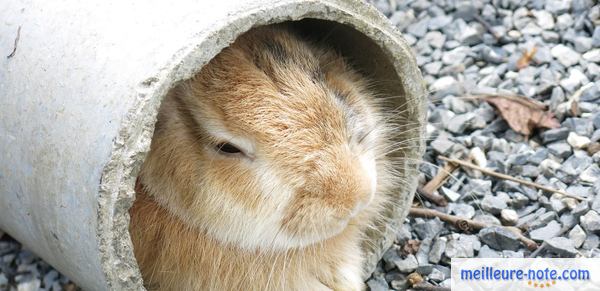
(227,148)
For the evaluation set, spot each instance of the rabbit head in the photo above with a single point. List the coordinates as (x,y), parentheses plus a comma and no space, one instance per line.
(273,145)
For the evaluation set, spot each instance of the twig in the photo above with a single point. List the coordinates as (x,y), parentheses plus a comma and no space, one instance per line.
(468,225)
(435,198)
(510,178)
(429,287)
(463,224)
(526,58)
(529,243)
(16,42)
(538,251)
(487,26)
(428,191)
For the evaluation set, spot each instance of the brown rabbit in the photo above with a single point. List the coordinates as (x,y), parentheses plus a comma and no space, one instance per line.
(264,171)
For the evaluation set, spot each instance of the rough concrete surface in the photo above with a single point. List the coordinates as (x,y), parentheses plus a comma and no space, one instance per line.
(78,103)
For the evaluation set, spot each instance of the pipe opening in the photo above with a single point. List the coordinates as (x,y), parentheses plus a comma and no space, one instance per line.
(363,55)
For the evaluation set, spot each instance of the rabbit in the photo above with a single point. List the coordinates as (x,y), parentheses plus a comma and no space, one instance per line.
(264,171)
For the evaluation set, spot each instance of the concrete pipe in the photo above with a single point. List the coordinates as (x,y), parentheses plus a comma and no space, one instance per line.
(80,86)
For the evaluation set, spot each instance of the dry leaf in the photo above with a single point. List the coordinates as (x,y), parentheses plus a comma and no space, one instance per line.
(411,247)
(526,58)
(522,114)
(414,278)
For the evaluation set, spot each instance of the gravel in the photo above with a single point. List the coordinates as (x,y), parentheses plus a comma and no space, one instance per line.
(460,56)
(21,270)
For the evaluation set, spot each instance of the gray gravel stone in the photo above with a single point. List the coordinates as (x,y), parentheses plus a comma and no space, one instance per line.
(581,209)
(596,204)
(557,6)
(499,238)
(577,141)
(539,155)
(30,285)
(565,55)
(560,149)
(437,250)
(536,219)
(581,126)
(561,246)
(461,122)
(390,257)
(555,134)
(579,6)
(3,280)
(590,222)
(461,210)
(377,284)
(575,79)
(433,68)
(407,265)
(564,21)
(544,19)
(418,28)
(442,145)
(592,241)
(549,231)
(596,37)
(596,120)
(582,44)
(456,248)
(478,188)
(486,252)
(436,276)
(397,280)
(577,236)
(591,55)
(456,55)
(439,22)
(428,228)
(487,219)
(450,194)
(493,204)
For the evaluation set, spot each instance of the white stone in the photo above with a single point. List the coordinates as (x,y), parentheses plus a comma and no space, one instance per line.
(592,56)
(451,195)
(32,285)
(550,164)
(509,216)
(577,236)
(564,21)
(544,19)
(435,39)
(575,79)
(565,55)
(578,141)
(591,174)
(478,157)
(442,83)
